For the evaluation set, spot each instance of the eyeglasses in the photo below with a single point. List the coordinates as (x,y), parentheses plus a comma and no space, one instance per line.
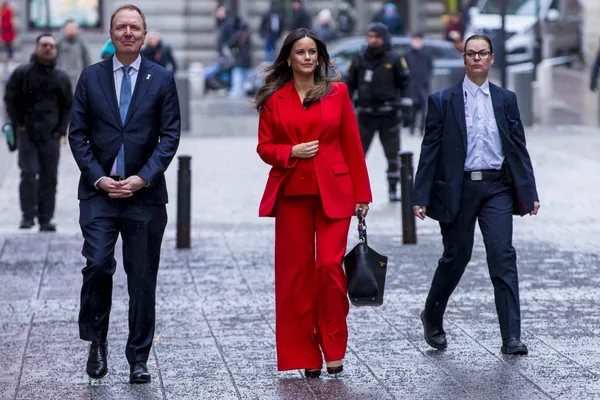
(483,54)
(47,45)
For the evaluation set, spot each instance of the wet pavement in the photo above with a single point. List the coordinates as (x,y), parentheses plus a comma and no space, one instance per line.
(215,305)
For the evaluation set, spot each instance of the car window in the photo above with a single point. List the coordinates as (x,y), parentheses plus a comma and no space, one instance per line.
(438,52)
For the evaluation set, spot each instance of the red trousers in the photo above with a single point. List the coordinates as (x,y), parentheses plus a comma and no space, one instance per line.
(310,284)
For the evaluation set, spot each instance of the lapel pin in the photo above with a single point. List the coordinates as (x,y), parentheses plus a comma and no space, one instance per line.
(148,77)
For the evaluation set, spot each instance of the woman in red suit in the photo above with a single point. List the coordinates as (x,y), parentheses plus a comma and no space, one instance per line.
(309,135)
(9,33)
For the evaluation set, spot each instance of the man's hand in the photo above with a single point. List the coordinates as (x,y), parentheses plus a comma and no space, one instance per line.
(420,211)
(536,207)
(305,150)
(131,185)
(114,188)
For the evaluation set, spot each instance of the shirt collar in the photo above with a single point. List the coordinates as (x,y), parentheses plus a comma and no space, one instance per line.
(473,88)
(135,65)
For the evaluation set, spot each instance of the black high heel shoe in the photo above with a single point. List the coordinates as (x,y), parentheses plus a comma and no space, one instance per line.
(335,370)
(312,373)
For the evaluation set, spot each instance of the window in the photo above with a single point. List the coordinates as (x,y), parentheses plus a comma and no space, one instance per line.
(52,14)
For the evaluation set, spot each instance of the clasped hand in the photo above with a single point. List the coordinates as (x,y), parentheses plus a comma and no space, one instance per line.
(122,189)
(305,150)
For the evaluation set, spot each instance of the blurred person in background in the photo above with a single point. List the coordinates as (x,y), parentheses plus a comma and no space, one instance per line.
(156,50)
(38,101)
(455,28)
(73,55)
(239,43)
(420,64)
(380,77)
(325,28)
(9,32)
(301,18)
(108,50)
(271,29)
(595,70)
(390,17)
(345,17)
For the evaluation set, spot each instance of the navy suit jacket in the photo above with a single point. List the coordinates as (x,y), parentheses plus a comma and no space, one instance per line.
(150,132)
(439,178)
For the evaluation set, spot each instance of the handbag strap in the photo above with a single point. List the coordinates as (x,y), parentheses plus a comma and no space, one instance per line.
(362,226)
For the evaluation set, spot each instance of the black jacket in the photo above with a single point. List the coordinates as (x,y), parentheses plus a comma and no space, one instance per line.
(267,31)
(301,19)
(439,177)
(235,34)
(162,54)
(38,97)
(420,65)
(388,80)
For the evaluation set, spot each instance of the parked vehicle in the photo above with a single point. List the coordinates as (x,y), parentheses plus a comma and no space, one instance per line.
(560,22)
(342,50)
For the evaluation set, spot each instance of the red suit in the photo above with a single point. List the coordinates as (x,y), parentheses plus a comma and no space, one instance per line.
(313,201)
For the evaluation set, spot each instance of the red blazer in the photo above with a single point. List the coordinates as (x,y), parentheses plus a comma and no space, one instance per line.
(339,164)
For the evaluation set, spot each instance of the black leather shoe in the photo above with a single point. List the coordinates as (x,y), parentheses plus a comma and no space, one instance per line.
(434,335)
(312,373)
(335,371)
(47,227)
(394,196)
(139,373)
(97,364)
(513,346)
(26,223)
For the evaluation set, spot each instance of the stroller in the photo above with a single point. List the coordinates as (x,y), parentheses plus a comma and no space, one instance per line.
(218,76)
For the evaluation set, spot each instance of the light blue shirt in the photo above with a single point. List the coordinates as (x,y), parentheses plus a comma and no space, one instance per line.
(484,147)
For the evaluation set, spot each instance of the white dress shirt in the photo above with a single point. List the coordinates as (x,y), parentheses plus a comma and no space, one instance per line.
(484,147)
(118,76)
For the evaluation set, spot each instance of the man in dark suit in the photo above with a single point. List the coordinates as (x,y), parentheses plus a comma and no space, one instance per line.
(124,132)
(474,165)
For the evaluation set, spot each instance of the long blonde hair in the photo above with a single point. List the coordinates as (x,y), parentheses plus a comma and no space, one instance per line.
(279,73)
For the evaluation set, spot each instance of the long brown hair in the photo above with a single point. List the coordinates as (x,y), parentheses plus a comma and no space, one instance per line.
(279,73)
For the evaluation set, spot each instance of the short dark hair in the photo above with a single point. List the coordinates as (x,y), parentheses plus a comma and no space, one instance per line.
(43,35)
(128,7)
(480,37)
(69,21)
(418,35)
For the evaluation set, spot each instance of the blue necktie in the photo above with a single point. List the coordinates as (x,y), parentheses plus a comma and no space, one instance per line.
(125,99)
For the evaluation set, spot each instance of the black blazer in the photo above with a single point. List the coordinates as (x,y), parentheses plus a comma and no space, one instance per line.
(439,178)
(150,133)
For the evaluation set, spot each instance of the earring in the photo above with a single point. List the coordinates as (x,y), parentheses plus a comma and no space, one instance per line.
(317,63)
(289,64)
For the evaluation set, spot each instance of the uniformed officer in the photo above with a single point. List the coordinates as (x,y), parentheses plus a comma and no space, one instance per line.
(380,76)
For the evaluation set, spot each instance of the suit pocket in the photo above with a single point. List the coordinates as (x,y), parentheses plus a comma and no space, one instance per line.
(340,169)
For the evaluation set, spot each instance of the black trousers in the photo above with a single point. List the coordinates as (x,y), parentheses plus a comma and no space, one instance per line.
(389,134)
(420,109)
(141,228)
(38,162)
(491,203)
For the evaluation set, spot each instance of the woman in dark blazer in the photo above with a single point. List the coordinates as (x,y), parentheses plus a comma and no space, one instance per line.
(309,135)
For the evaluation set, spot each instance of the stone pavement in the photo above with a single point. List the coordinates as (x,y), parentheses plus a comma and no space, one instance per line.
(215,308)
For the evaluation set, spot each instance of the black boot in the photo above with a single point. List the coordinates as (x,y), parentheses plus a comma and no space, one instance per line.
(393,193)
(97,364)
(26,223)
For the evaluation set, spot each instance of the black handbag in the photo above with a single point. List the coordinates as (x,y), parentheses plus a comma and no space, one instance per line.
(365,270)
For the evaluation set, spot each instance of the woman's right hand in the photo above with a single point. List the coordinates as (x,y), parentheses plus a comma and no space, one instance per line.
(305,150)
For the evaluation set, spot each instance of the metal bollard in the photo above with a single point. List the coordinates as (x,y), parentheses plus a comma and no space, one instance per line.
(409,230)
(520,78)
(184,202)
